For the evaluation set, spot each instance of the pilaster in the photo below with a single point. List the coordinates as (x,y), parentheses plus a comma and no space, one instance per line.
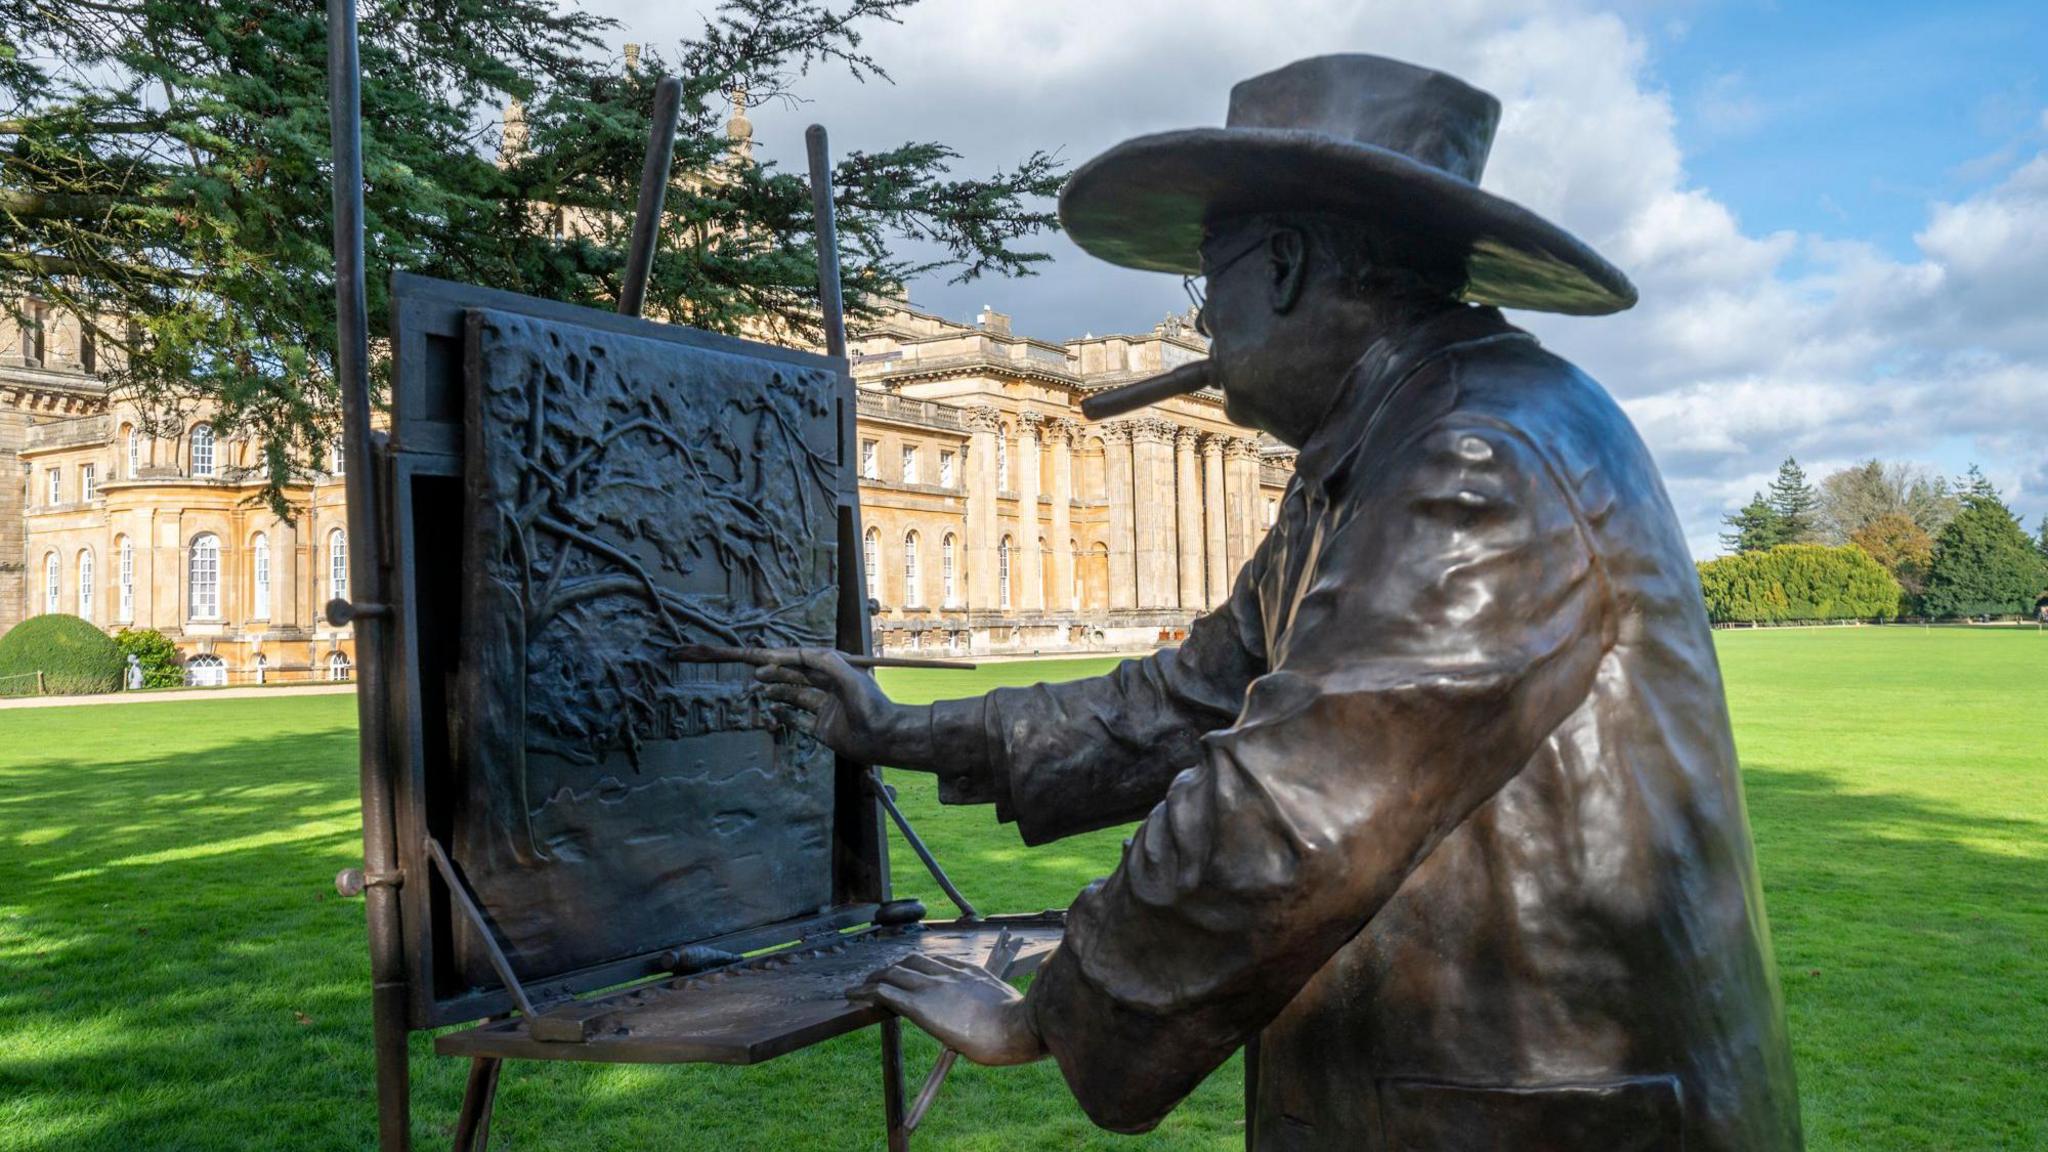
(1187,491)
(984,425)
(1116,472)
(1061,433)
(1222,574)
(1029,582)
(1152,485)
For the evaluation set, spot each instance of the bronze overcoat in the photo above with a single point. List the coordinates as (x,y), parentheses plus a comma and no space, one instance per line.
(1441,810)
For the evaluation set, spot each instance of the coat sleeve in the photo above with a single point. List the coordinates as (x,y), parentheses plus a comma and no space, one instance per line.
(1060,759)
(1449,626)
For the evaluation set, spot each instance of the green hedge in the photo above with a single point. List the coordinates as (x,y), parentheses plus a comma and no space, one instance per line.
(74,657)
(1798,582)
(161,667)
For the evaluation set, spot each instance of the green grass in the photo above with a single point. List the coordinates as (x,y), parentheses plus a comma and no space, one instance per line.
(176,973)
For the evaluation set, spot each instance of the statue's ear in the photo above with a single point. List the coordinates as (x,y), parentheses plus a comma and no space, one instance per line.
(1288,253)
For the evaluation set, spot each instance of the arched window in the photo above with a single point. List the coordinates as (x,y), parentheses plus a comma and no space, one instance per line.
(337,565)
(1003,572)
(53,574)
(134,452)
(206,672)
(125,606)
(913,591)
(203,579)
(202,450)
(85,583)
(259,558)
(948,588)
(871,559)
(338,667)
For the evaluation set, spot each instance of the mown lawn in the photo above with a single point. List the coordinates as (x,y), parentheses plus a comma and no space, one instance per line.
(176,972)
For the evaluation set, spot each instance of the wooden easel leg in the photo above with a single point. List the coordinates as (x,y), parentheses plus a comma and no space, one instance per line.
(892,1084)
(473,1126)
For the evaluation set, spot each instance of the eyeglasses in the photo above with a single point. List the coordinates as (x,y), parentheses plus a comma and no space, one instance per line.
(1193,287)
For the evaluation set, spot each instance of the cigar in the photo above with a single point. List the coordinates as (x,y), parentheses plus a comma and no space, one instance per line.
(721,654)
(1179,382)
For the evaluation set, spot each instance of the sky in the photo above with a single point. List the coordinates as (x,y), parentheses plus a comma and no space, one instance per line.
(1836,213)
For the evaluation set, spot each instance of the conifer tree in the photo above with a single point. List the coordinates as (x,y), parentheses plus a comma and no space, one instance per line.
(163,176)
(1984,564)
(1796,505)
(1753,528)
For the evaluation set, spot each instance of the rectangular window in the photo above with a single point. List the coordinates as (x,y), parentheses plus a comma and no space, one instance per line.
(56,485)
(869,469)
(87,481)
(127,581)
(945,469)
(910,464)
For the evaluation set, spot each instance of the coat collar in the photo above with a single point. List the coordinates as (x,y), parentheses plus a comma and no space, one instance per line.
(1378,376)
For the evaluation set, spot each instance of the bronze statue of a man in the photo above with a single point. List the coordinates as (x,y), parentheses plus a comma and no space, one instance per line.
(1441,816)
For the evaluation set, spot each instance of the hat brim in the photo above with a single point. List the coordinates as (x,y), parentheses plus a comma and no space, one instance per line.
(1143,204)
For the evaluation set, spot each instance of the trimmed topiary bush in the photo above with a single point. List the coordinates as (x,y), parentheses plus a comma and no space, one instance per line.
(74,657)
(161,667)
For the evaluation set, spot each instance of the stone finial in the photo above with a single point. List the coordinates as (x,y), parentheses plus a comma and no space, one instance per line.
(740,130)
(513,144)
(993,322)
(632,53)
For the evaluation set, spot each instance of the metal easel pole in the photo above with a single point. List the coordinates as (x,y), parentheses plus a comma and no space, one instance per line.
(661,154)
(372,614)
(853,598)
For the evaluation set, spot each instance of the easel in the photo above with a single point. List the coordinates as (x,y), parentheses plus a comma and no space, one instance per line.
(415,891)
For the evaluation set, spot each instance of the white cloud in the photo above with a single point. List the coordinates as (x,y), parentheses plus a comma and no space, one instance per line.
(1746,346)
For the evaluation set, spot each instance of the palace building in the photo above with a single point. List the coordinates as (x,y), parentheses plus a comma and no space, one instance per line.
(996,519)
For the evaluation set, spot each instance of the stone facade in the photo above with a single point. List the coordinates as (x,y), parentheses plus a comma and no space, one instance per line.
(995,518)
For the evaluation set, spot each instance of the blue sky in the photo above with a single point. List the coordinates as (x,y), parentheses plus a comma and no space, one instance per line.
(1836,213)
(1848,118)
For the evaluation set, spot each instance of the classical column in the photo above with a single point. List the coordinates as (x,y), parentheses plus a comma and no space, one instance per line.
(984,425)
(1152,486)
(1187,492)
(1062,432)
(1116,474)
(1255,494)
(1222,574)
(1241,494)
(1027,566)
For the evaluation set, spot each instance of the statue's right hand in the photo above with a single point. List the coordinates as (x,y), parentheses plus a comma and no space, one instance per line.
(842,706)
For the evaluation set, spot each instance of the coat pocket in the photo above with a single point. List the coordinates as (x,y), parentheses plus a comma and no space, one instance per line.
(1639,1114)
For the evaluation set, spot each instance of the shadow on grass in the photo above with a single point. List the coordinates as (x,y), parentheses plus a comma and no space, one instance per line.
(1912,961)
(177,973)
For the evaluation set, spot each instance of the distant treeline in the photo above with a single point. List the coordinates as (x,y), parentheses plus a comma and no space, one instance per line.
(1874,542)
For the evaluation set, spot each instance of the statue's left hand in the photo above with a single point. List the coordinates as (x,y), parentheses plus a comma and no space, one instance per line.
(964,1007)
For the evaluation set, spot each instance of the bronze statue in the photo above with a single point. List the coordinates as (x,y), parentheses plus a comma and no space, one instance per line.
(1442,821)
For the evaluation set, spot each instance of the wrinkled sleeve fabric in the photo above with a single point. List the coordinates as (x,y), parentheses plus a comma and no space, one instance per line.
(1448,627)
(1060,759)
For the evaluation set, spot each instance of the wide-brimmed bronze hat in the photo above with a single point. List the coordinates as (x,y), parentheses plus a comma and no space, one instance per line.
(1395,146)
